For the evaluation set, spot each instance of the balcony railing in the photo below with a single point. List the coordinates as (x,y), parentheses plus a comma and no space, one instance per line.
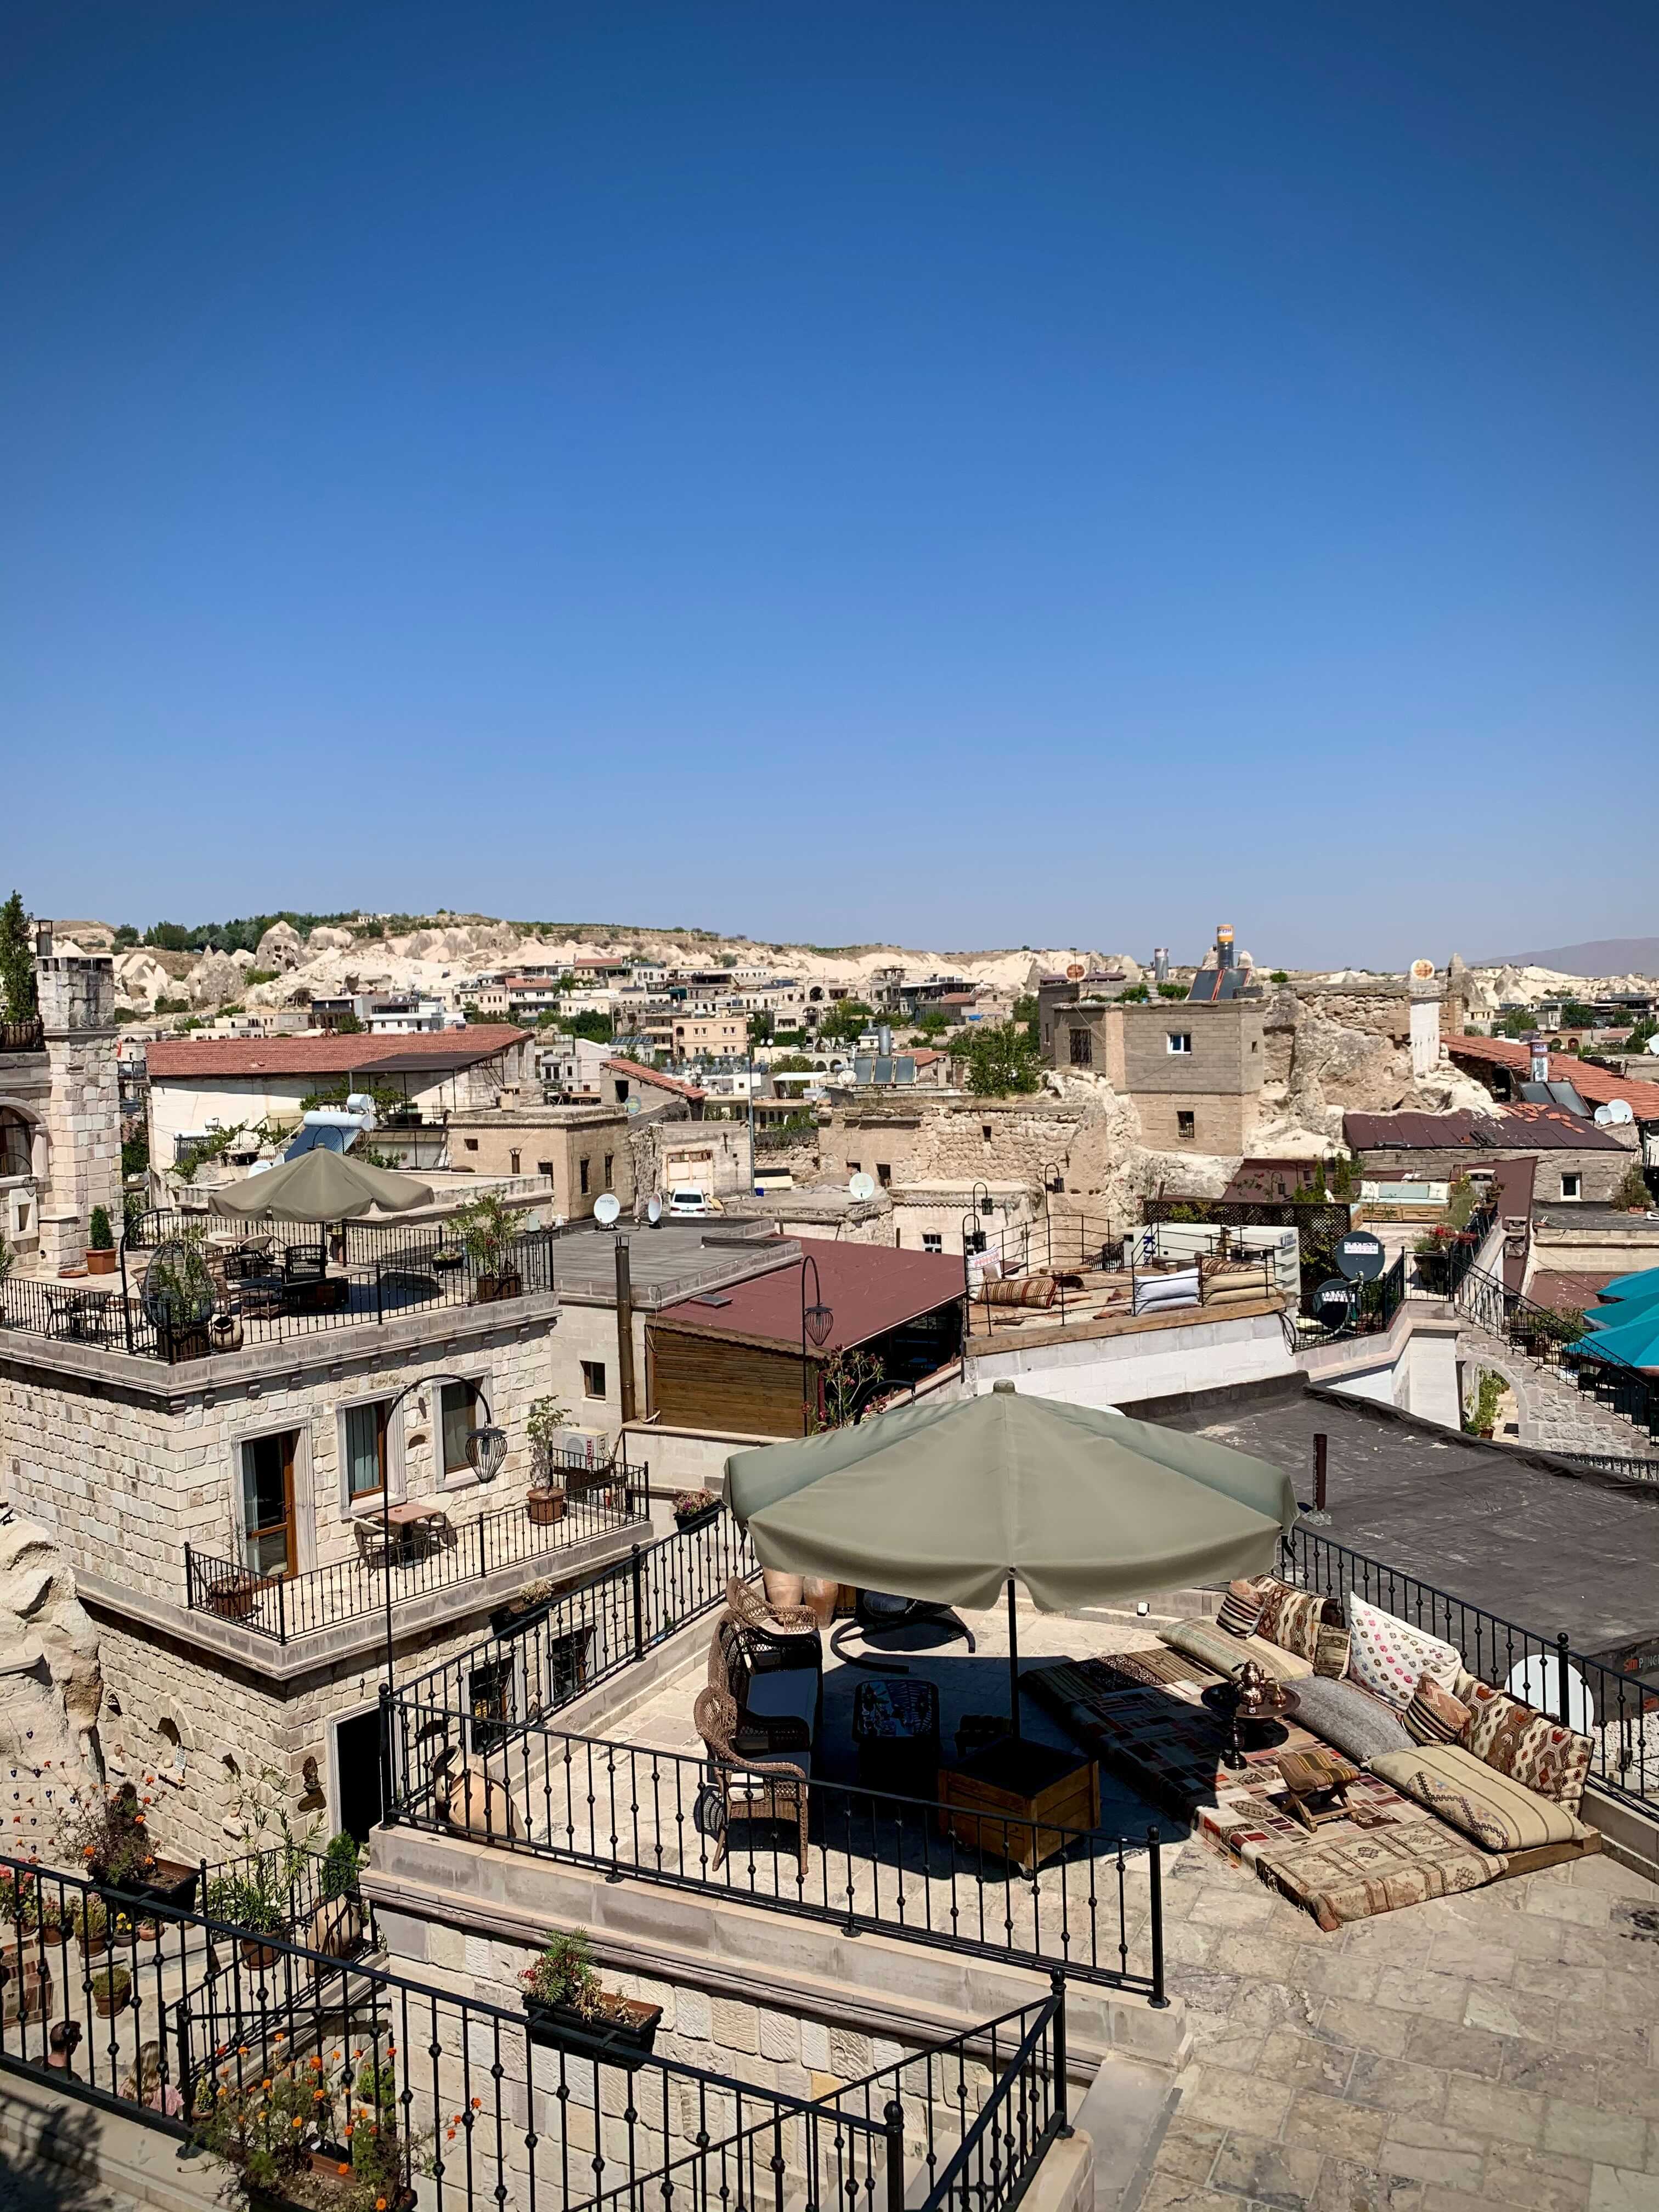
(23,1037)
(238,2038)
(595,1502)
(225,1303)
(1562,1342)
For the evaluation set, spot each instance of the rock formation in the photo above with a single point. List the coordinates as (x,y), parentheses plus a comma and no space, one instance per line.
(51,1690)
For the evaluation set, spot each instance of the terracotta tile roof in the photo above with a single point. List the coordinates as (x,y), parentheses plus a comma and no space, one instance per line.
(643,1074)
(326,1054)
(1594,1085)
(869,1288)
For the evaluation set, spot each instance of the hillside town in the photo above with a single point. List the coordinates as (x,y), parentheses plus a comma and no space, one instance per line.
(397,1321)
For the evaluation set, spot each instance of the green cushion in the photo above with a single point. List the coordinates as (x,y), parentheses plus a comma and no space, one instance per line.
(1201,1639)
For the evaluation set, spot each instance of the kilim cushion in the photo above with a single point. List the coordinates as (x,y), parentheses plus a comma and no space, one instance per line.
(1330,1656)
(1273,1595)
(1242,1609)
(1518,1740)
(1388,1653)
(1296,1623)
(1350,1718)
(1204,1640)
(1434,1716)
(1499,1813)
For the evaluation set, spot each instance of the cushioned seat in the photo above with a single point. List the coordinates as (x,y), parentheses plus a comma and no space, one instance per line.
(1350,1719)
(1492,1809)
(1212,1646)
(784,1693)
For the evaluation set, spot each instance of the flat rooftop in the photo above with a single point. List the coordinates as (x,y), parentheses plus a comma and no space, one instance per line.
(1499,1527)
(673,1261)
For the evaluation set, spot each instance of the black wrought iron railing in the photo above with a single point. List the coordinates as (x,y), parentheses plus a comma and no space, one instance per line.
(1320,1221)
(1616,1463)
(1615,1707)
(255,2048)
(306,1896)
(595,1502)
(215,1304)
(1561,1343)
(1040,1893)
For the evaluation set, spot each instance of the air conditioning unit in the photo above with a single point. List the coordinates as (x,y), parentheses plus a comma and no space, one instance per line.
(592,1447)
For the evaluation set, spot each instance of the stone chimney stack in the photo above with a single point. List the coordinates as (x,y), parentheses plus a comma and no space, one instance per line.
(83,1107)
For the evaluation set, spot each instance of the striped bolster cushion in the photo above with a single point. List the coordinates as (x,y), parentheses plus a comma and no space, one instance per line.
(1434,1716)
(1240,1609)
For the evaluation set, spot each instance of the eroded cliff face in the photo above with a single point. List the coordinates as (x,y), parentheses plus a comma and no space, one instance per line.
(51,1690)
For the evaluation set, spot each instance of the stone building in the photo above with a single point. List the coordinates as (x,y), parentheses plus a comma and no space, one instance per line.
(60,1125)
(583,1149)
(1192,1070)
(1578,1162)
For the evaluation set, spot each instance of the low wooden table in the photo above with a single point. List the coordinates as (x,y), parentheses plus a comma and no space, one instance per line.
(1001,1800)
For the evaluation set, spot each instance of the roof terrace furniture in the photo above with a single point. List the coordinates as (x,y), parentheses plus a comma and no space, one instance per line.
(779,1707)
(778,1635)
(751,1789)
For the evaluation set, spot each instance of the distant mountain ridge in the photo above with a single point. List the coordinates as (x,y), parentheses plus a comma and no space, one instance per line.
(1602,956)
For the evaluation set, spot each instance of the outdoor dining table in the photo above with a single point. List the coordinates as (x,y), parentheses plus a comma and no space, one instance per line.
(404,1525)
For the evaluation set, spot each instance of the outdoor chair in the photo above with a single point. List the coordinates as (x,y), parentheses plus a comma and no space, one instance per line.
(779,1635)
(779,1708)
(751,1789)
(878,1612)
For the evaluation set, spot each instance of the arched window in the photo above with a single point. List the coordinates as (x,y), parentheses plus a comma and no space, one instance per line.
(16,1136)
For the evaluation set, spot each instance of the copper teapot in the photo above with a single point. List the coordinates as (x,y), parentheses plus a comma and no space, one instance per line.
(1252,1683)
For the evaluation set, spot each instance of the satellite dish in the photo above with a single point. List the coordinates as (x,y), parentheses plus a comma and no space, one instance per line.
(1422,971)
(1333,1301)
(607,1209)
(1616,1113)
(862,1186)
(1359,1255)
(1076,971)
(653,1211)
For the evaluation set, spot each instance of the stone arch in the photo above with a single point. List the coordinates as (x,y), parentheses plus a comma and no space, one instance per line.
(24,1138)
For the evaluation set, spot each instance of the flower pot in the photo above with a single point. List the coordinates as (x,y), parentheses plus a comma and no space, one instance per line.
(686,1522)
(225,1332)
(447,1262)
(102,1263)
(818,1594)
(544,1507)
(259,1957)
(781,1589)
(106,2002)
(95,1946)
(491,1288)
(233,1600)
(513,1621)
(624,2041)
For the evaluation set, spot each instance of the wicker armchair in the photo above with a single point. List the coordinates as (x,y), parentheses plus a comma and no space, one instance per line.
(774,1636)
(751,1789)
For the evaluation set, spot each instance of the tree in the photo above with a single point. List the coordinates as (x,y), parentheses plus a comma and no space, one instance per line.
(1172,990)
(1026,1013)
(934,1023)
(844,1023)
(761,1028)
(792,1063)
(1642,1036)
(17,986)
(1136,995)
(1000,1059)
(593,1024)
(347,1025)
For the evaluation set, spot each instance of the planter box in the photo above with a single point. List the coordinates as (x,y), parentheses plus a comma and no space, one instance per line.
(624,2042)
(698,1520)
(507,1620)
(323,2183)
(233,1600)
(171,1884)
(544,1508)
(489,1289)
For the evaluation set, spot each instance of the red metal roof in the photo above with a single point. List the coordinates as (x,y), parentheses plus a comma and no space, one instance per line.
(869,1288)
(324,1052)
(1594,1084)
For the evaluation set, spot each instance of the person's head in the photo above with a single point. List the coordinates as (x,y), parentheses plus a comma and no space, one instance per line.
(63,2037)
(149,2067)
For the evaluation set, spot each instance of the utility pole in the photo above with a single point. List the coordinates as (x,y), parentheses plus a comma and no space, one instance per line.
(752,1113)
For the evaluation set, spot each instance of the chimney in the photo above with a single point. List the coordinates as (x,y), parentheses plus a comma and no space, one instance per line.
(1540,1058)
(625,1389)
(1224,945)
(1160,964)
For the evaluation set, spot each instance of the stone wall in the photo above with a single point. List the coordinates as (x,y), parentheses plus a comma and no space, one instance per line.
(83,1111)
(51,1691)
(995,1140)
(126,1461)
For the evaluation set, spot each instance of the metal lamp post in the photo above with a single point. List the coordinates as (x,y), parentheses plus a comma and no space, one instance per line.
(816,1321)
(486,1450)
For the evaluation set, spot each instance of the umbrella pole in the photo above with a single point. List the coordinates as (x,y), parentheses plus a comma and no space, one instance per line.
(1013,1662)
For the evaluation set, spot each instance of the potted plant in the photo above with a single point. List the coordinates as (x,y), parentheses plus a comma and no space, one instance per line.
(489,1235)
(1481,1420)
(525,1610)
(110,1989)
(234,1598)
(300,2138)
(90,1920)
(694,1508)
(101,1244)
(544,1500)
(1632,1193)
(569,2011)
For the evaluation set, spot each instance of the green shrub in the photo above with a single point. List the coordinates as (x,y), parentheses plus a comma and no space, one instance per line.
(100,1235)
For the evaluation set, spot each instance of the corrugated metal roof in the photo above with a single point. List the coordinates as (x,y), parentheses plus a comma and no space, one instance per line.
(1523,1129)
(1598,1085)
(869,1288)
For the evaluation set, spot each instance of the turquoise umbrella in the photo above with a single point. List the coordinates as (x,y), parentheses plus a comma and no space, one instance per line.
(1636,1342)
(1620,1311)
(1643,1283)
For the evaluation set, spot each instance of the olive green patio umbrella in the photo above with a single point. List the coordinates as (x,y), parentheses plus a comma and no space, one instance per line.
(321,1186)
(950,1501)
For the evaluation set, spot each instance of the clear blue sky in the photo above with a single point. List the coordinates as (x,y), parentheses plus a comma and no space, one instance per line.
(962,474)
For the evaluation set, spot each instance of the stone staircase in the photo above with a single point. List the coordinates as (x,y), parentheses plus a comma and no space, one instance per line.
(1553,1415)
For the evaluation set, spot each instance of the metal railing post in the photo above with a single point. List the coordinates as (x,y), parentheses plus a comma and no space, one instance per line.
(637,1563)
(1563,1676)
(190,1579)
(1155,1892)
(1057,1983)
(482,1569)
(385,1754)
(893,2129)
(281,1610)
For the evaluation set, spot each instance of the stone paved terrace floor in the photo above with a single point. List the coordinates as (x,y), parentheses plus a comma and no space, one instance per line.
(1500,2050)
(1494,2050)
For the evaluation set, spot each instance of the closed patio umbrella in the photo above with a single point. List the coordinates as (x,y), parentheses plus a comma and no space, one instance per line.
(950,1501)
(322,1185)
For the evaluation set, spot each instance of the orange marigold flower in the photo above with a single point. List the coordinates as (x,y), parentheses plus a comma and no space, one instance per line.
(345,2169)
(298,2122)
(478,2104)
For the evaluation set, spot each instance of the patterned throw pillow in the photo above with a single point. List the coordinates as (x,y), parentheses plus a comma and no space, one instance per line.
(1240,1609)
(1331,1651)
(1296,1626)
(1388,1653)
(1518,1741)
(1434,1716)
(1273,1595)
